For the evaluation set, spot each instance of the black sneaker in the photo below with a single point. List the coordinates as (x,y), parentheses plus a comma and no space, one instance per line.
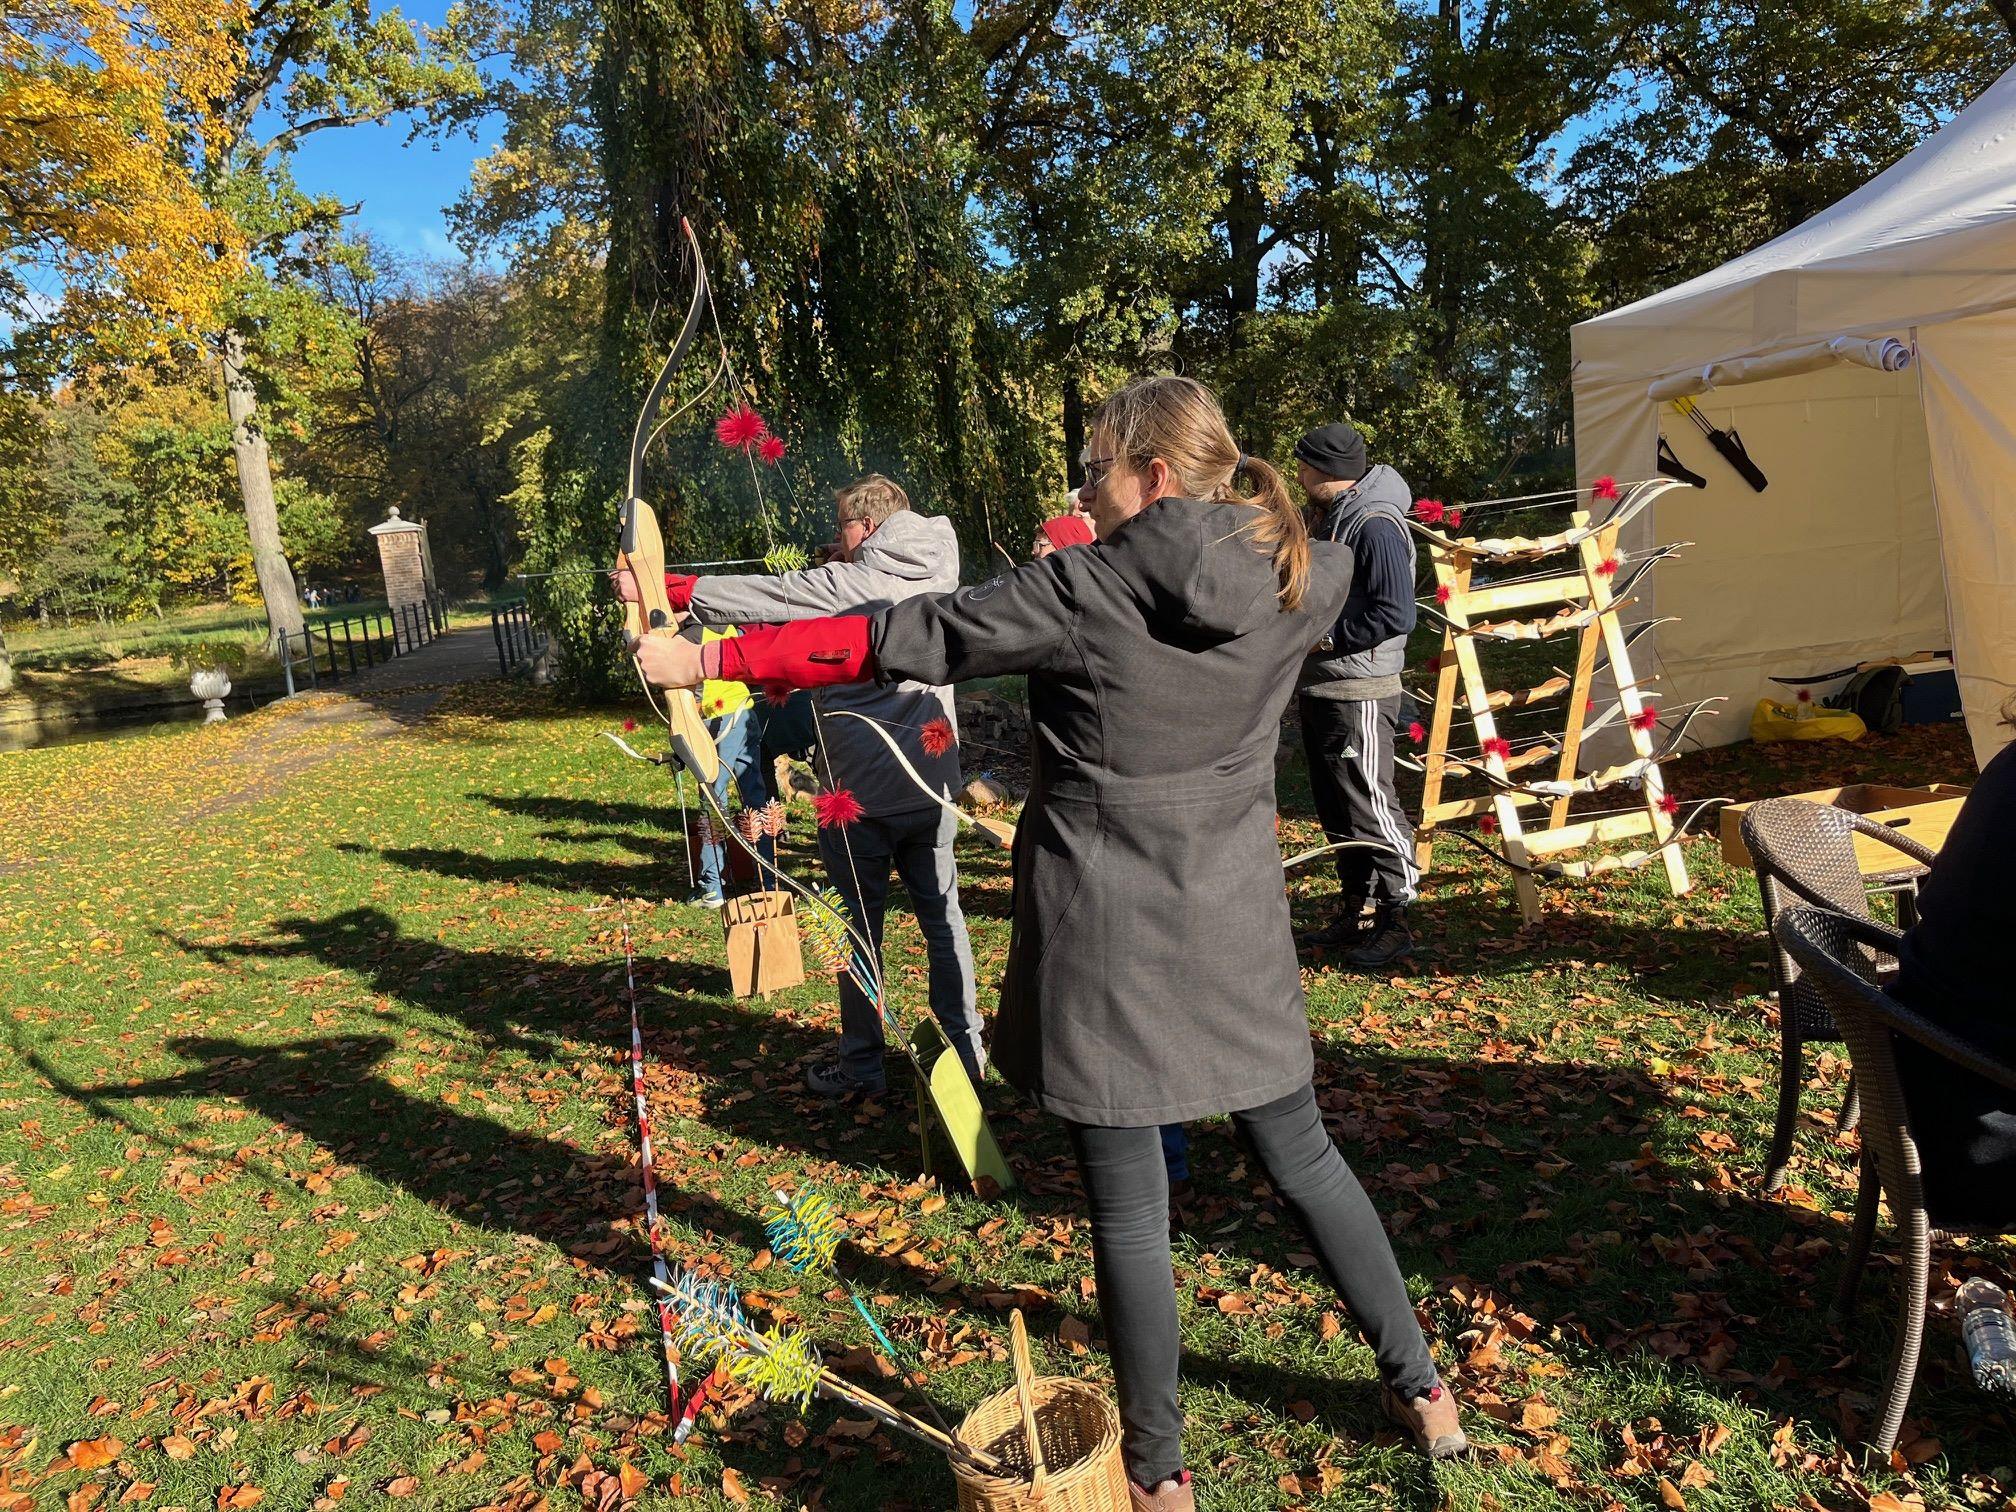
(1347,929)
(1385,942)
(829,1078)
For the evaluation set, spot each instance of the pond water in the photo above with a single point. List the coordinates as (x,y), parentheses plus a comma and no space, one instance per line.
(121,724)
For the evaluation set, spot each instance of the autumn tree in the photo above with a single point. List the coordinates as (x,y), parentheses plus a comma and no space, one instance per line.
(446,365)
(109,252)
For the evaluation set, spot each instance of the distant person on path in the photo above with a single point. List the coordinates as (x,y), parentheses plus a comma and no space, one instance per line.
(1350,695)
(886,552)
(1152,974)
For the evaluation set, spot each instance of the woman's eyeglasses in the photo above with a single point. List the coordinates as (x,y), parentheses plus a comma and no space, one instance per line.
(1096,469)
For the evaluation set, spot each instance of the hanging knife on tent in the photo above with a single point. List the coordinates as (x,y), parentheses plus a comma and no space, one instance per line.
(1726,442)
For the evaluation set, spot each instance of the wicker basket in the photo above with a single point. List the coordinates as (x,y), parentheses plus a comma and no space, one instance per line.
(1059,1437)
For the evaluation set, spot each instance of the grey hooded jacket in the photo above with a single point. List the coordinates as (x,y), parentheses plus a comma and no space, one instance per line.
(1152,973)
(908,554)
(1379,502)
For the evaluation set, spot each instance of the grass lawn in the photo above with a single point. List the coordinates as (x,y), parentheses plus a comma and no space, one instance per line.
(317,1182)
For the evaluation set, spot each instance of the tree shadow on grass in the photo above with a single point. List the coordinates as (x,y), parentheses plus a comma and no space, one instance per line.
(1470,926)
(730,1064)
(646,830)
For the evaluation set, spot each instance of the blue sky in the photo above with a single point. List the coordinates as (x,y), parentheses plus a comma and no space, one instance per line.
(403,190)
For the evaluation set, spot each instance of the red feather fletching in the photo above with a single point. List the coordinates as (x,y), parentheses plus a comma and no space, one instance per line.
(1497,745)
(1805,695)
(629,725)
(1646,718)
(1442,594)
(776,695)
(1434,664)
(1428,511)
(1607,567)
(838,808)
(740,427)
(937,736)
(1604,488)
(771,449)
(1455,520)
(1416,733)
(1488,824)
(1668,804)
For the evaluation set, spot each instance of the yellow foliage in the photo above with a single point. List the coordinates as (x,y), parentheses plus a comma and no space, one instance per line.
(106,235)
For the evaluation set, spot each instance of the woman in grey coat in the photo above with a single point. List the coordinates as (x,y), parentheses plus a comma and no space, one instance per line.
(1152,974)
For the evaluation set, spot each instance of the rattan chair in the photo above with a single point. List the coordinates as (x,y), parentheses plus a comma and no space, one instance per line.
(1834,952)
(1806,852)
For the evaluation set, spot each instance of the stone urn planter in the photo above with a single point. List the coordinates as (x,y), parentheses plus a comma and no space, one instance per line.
(213,686)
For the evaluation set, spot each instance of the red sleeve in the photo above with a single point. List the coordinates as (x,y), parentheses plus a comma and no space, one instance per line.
(679,589)
(811,653)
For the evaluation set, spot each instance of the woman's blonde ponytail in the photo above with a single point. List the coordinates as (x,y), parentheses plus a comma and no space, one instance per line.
(1282,529)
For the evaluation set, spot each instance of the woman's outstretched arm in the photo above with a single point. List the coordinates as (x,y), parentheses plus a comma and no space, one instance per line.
(1020,622)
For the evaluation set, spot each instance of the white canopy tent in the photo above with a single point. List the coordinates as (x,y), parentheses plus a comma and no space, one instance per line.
(1889,523)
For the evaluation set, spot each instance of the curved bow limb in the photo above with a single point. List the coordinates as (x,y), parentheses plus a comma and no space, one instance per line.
(1626,774)
(1570,617)
(1521,548)
(642,554)
(1596,866)
(642,548)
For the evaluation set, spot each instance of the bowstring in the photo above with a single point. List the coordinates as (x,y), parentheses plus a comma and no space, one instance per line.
(868,951)
(866,958)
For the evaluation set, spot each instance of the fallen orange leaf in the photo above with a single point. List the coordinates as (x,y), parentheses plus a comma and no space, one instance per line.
(94,1454)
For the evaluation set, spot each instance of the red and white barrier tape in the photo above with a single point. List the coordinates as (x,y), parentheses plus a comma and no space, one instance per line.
(653,1228)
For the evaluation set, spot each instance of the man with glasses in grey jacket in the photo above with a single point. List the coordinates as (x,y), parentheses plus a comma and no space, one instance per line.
(886,552)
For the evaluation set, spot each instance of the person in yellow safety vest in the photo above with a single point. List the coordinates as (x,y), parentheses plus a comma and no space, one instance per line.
(734,717)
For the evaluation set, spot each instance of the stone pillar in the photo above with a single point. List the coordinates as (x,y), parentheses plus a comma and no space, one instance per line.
(403,555)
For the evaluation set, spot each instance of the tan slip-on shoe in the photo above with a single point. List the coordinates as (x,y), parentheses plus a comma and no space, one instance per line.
(1432,1421)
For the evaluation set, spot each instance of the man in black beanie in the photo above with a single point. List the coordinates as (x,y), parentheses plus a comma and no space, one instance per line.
(1349,698)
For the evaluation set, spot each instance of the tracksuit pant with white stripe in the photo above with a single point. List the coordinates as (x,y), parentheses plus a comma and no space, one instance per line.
(1349,747)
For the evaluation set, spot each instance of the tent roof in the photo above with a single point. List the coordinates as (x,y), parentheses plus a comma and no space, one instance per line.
(1930,238)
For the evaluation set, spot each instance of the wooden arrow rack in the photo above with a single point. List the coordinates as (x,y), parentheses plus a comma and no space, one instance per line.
(1461,686)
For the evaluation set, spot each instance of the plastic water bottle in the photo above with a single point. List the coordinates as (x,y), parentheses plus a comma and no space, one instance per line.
(1990,1334)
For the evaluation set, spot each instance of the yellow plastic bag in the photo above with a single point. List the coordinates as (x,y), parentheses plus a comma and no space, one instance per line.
(1772,720)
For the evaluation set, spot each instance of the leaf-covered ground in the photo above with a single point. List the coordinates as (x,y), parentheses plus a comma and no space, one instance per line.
(317,1182)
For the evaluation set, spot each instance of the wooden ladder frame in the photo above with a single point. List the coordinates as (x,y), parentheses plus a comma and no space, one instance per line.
(1588,583)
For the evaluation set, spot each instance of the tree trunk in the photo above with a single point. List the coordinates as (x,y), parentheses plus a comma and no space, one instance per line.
(1245,216)
(6,666)
(1074,432)
(255,487)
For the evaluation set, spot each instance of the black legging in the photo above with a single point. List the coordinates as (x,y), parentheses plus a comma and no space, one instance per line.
(1127,1187)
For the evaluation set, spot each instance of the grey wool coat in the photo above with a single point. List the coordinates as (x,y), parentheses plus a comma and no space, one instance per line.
(1152,974)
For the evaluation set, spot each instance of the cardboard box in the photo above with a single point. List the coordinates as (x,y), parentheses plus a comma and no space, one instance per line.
(763,951)
(1925,814)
